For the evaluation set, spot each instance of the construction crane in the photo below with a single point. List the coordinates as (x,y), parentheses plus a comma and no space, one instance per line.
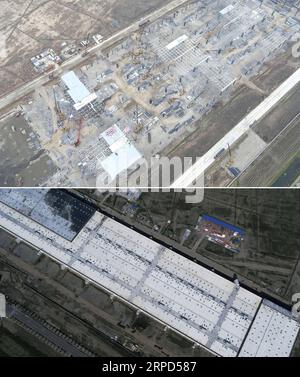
(138,125)
(61,115)
(79,132)
(230,161)
(137,50)
(148,72)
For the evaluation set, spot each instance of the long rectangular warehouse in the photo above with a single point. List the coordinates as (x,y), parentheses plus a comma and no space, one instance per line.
(208,309)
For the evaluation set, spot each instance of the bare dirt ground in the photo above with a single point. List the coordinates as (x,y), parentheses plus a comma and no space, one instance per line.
(279,130)
(22,160)
(220,121)
(28,27)
(279,117)
(274,161)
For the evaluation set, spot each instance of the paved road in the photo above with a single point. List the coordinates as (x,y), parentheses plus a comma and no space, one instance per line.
(70,64)
(235,134)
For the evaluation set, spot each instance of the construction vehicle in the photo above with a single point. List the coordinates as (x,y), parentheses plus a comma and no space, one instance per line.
(50,67)
(77,143)
(143,24)
(172,100)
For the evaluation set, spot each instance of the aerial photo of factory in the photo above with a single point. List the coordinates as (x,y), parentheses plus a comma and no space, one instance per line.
(149,183)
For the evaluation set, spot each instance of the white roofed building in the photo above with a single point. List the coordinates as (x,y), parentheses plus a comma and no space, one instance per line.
(80,95)
(206,308)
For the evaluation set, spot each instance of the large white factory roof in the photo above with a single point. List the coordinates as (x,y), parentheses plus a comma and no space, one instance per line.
(77,91)
(187,297)
(272,334)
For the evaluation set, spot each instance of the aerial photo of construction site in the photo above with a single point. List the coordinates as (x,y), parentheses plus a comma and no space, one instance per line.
(149,181)
(93,89)
(84,273)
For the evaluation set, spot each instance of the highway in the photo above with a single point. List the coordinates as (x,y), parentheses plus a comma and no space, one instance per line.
(73,62)
(235,134)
